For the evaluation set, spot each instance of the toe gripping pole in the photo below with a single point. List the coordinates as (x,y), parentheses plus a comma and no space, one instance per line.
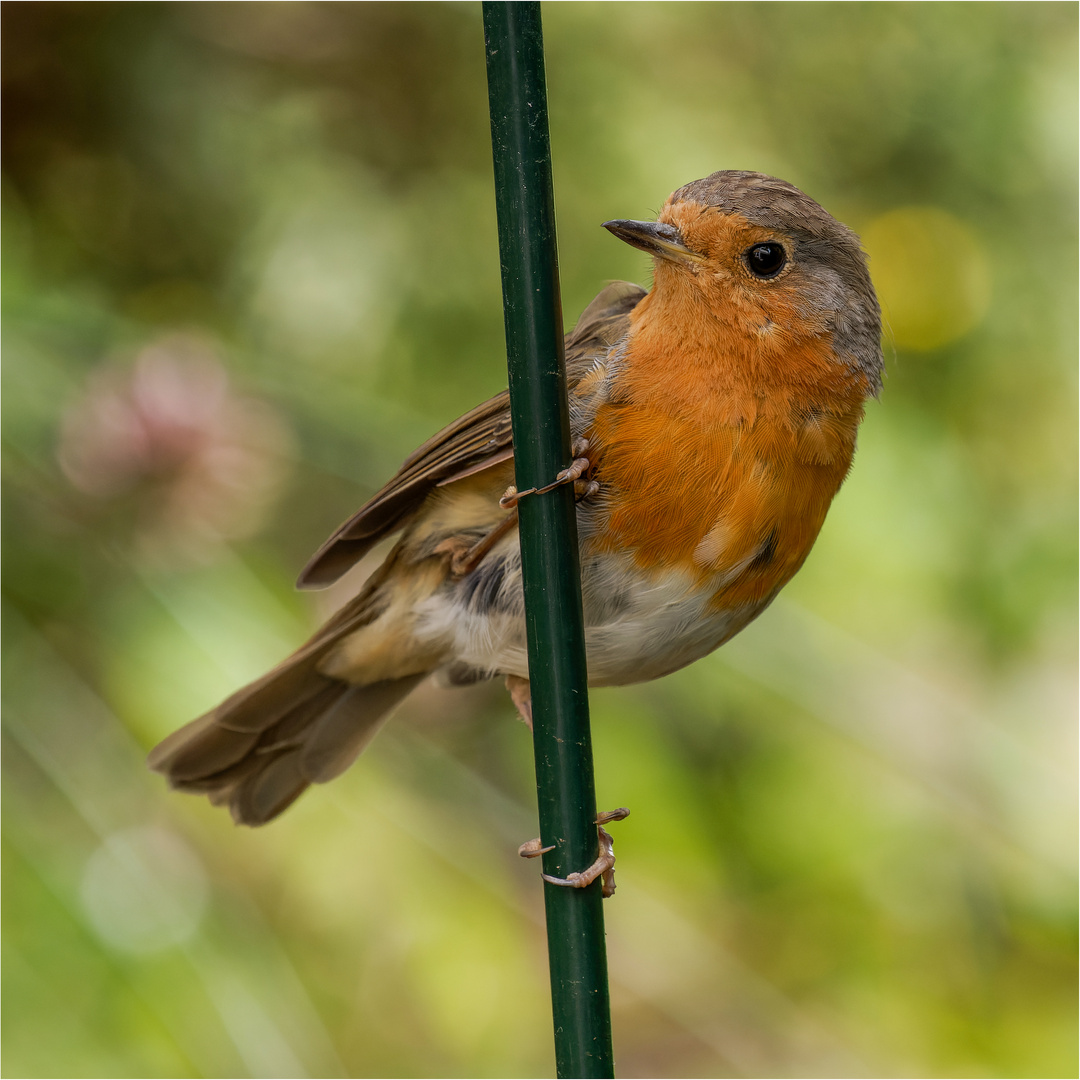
(548,530)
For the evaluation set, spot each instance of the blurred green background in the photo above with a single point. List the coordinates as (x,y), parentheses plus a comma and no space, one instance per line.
(249,263)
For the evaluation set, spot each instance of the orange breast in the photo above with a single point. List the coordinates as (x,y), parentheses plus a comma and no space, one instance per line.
(723,464)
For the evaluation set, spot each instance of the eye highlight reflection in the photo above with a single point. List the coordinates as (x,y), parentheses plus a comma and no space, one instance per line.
(766,260)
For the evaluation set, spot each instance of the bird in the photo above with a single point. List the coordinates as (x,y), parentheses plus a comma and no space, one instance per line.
(714,418)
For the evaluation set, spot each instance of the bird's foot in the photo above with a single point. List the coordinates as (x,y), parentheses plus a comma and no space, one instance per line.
(603,867)
(466,557)
(570,475)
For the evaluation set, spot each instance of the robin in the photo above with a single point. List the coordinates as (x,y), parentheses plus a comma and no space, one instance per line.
(714,420)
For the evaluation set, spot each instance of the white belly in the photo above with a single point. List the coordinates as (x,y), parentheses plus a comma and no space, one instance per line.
(637,627)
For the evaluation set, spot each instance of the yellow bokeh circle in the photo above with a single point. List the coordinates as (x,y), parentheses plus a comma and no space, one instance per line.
(931,274)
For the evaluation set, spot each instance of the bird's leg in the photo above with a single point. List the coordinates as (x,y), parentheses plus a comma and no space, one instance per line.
(464,559)
(570,475)
(603,867)
(521,695)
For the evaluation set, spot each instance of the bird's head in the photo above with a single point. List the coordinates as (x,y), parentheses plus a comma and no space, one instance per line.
(768,263)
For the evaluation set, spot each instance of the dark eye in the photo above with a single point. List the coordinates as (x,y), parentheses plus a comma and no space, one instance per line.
(766,260)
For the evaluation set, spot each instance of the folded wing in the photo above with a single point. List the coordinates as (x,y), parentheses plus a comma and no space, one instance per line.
(479,440)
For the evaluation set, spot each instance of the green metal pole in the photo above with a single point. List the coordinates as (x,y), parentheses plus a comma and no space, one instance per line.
(549,551)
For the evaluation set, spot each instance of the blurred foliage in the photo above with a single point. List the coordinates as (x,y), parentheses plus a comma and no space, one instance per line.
(249,263)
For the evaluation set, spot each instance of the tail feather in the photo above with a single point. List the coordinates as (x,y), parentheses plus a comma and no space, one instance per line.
(342,732)
(267,700)
(268,790)
(219,786)
(212,751)
(179,738)
(259,749)
(295,727)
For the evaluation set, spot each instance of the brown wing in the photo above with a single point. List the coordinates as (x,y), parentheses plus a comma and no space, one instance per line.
(477,441)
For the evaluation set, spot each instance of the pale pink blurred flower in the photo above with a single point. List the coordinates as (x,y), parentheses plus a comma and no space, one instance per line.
(202,464)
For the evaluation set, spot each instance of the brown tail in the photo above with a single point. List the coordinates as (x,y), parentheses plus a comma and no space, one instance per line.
(259,749)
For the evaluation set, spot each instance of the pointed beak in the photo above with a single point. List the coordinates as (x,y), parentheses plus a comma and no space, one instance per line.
(655,238)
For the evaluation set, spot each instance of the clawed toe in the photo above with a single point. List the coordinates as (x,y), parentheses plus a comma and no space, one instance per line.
(570,475)
(603,867)
(574,472)
(531,848)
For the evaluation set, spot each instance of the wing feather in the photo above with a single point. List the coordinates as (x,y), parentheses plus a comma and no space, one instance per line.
(477,441)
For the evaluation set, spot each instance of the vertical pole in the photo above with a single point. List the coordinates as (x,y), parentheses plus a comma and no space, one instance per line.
(549,552)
